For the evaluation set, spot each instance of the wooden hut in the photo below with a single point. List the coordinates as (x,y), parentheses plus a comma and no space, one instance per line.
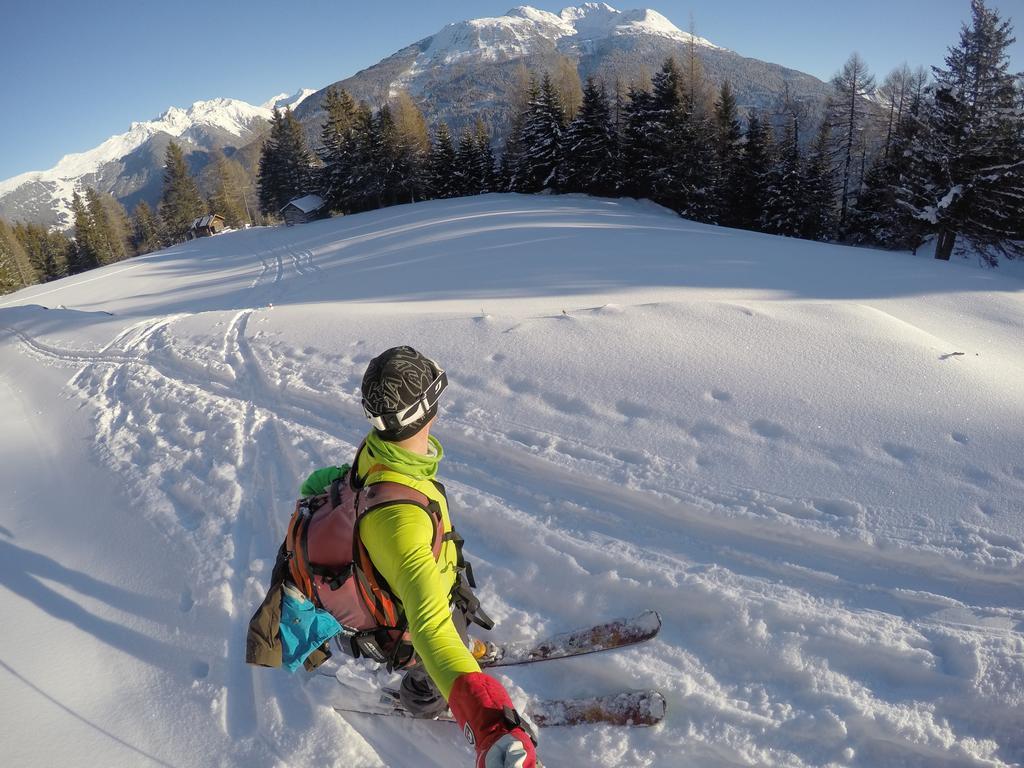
(303,209)
(205,226)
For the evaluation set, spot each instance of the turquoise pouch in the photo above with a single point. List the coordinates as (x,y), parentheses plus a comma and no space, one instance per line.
(303,628)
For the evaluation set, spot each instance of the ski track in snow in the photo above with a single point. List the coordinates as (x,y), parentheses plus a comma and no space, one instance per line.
(792,637)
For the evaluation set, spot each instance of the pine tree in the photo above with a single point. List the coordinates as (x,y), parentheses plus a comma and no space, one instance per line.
(467,165)
(660,133)
(848,114)
(692,160)
(442,170)
(361,182)
(16,270)
(285,164)
(84,254)
(101,236)
(754,170)
(589,153)
(786,195)
(636,167)
(337,146)
(820,189)
(522,92)
(146,236)
(484,172)
(384,157)
(969,155)
(541,140)
(47,251)
(110,227)
(729,153)
(180,203)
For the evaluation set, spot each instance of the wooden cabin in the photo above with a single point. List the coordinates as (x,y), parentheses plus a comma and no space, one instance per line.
(205,226)
(303,209)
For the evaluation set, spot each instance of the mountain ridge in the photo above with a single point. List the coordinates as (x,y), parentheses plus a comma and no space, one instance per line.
(206,125)
(464,71)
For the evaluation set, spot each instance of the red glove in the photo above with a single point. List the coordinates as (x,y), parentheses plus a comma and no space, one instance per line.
(484,712)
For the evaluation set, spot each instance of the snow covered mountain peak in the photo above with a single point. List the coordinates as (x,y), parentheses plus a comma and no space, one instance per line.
(236,117)
(292,100)
(205,124)
(524,30)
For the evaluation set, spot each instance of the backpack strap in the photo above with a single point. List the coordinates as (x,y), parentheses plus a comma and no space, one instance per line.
(295,543)
(374,590)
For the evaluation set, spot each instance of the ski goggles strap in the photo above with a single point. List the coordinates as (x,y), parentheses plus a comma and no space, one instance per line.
(411,414)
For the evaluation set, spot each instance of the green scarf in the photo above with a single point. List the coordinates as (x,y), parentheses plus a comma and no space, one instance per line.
(415,465)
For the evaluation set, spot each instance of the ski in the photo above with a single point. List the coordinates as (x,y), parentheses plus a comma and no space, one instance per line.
(617,633)
(626,708)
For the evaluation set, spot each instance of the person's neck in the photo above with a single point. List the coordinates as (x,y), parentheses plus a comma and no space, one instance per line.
(418,443)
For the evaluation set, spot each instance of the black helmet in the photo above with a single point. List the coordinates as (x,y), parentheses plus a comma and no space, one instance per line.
(401,388)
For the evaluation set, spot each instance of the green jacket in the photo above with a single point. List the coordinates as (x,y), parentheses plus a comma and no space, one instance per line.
(398,540)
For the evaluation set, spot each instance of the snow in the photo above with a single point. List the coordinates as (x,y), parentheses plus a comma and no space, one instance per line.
(524,30)
(307,203)
(807,457)
(291,100)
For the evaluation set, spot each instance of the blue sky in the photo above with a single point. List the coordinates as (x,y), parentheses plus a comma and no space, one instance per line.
(74,73)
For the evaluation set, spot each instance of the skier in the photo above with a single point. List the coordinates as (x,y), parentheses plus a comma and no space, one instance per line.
(426,577)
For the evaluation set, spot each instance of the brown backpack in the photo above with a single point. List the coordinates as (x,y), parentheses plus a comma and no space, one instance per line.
(323,556)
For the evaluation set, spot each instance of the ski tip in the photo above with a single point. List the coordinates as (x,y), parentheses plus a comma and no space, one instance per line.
(649,620)
(658,706)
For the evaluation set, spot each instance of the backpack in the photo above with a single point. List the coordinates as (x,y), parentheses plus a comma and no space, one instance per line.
(324,558)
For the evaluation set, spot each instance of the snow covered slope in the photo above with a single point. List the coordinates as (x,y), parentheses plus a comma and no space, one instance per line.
(809,458)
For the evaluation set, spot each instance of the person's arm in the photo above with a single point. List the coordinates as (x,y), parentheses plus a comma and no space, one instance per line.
(317,482)
(398,540)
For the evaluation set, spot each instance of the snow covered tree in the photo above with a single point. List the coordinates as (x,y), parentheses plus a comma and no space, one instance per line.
(636,163)
(692,163)
(522,92)
(541,140)
(663,115)
(285,164)
(467,165)
(969,155)
(146,229)
(848,113)
(180,203)
(786,195)
(820,188)
(881,217)
(484,172)
(442,171)
(754,169)
(588,156)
